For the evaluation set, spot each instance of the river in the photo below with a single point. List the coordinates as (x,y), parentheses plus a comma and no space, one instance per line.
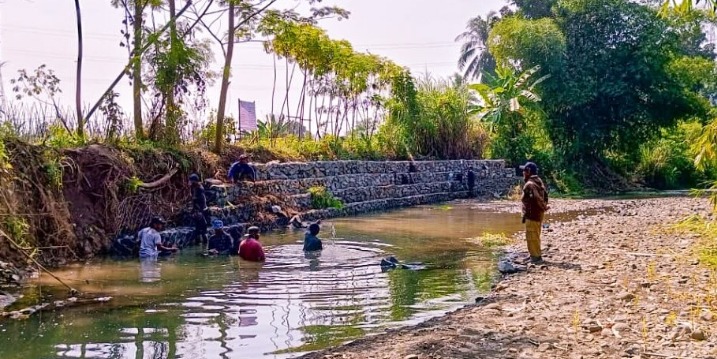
(194,307)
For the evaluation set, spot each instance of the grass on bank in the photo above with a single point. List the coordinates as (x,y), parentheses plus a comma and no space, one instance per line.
(706,249)
(492,240)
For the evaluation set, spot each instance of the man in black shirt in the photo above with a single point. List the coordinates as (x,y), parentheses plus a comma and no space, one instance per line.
(471,182)
(201,215)
(241,170)
(220,242)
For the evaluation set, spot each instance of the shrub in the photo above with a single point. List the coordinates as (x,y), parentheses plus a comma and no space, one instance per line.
(668,162)
(322,198)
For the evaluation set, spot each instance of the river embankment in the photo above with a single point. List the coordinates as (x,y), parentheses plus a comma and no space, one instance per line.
(60,206)
(617,282)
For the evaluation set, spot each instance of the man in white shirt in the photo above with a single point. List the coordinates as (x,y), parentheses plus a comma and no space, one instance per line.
(150,242)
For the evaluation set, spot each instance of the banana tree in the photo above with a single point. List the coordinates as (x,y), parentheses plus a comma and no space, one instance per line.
(502,105)
(273,128)
(687,6)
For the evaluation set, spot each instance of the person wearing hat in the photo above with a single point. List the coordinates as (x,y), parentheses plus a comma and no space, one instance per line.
(150,242)
(202,217)
(241,170)
(250,249)
(220,242)
(535,203)
(311,239)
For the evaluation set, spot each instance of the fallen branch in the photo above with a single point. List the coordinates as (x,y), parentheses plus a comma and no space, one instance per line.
(43,307)
(669,356)
(160,181)
(73,291)
(639,254)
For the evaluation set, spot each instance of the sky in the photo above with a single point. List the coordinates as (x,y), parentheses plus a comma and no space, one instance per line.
(418,34)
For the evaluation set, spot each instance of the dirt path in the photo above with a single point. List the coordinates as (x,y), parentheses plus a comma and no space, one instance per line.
(617,284)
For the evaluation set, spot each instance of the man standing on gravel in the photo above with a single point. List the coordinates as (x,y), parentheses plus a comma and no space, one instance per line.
(535,203)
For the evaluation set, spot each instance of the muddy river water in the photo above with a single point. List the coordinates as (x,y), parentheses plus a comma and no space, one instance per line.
(194,307)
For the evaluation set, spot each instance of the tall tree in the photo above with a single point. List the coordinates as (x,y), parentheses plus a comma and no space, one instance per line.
(535,9)
(134,41)
(172,112)
(247,13)
(248,17)
(226,73)
(78,74)
(504,101)
(475,59)
(613,85)
(136,56)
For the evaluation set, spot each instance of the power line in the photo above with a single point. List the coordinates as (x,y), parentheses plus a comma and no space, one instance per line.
(119,61)
(106,36)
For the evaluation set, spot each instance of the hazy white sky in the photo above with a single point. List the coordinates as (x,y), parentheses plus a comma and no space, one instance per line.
(414,33)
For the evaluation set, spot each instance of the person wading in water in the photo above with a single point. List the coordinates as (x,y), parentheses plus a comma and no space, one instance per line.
(535,203)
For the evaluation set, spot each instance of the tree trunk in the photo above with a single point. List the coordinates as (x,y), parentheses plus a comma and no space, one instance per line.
(137,70)
(273,87)
(219,140)
(172,134)
(78,79)
(300,108)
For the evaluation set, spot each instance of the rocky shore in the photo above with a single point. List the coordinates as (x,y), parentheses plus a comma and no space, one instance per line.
(618,282)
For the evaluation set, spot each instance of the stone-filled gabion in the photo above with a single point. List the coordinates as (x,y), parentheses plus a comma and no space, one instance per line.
(363,186)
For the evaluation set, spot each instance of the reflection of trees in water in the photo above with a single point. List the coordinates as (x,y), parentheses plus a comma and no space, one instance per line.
(409,287)
(327,307)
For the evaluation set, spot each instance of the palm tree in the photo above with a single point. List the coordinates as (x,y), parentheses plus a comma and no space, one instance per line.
(475,60)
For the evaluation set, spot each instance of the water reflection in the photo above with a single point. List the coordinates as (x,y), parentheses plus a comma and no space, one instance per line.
(196,307)
(149,270)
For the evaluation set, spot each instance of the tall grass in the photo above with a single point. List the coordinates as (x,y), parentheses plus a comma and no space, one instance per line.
(435,121)
(35,122)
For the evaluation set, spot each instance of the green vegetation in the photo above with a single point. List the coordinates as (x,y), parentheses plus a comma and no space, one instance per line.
(599,93)
(706,250)
(491,240)
(620,90)
(321,198)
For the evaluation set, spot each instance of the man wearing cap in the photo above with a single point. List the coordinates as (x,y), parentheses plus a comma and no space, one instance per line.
(535,203)
(150,242)
(220,242)
(250,249)
(202,217)
(241,170)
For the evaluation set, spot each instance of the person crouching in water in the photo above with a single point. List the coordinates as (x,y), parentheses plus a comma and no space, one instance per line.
(311,241)
(249,248)
(220,242)
(150,242)
(535,204)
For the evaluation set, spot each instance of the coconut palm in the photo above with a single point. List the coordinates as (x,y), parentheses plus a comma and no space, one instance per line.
(475,60)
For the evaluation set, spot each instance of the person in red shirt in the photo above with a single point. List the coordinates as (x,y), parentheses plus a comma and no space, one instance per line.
(250,249)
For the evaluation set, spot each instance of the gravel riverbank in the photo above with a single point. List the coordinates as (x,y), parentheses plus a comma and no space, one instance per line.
(617,283)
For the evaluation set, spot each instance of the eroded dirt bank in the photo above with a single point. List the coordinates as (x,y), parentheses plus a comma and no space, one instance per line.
(616,284)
